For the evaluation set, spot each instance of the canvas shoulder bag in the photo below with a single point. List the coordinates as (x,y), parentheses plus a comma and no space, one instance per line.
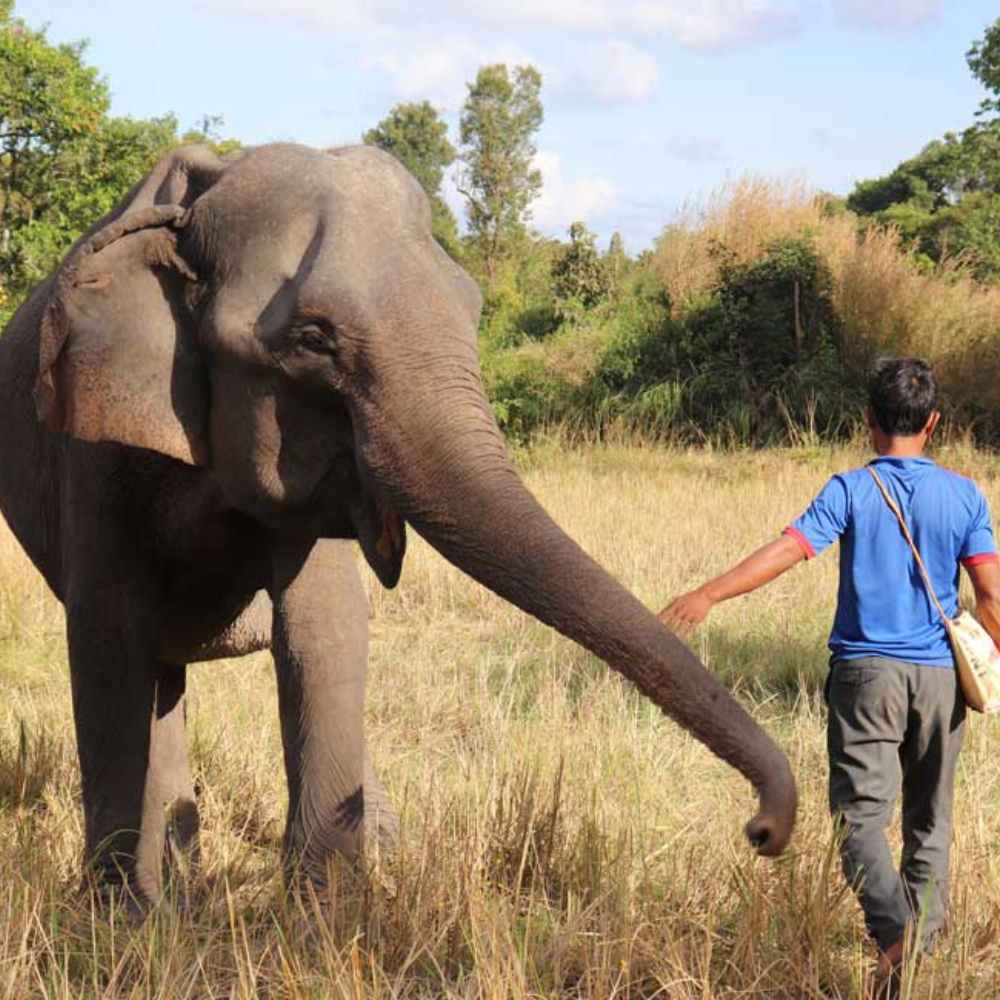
(977,659)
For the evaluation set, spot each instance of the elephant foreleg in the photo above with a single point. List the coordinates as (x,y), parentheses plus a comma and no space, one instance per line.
(320,645)
(129,715)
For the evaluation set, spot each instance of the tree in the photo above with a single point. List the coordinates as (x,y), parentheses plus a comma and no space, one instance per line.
(49,100)
(77,185)
(418,138)
(616,262)
(499,120)
(579,277)
(984,61)
(415,134)
(63,162)
(946,199)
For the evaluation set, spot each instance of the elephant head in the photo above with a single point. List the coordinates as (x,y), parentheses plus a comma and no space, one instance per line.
(286,320)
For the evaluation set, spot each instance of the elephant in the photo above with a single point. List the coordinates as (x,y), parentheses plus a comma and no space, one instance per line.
(249,364)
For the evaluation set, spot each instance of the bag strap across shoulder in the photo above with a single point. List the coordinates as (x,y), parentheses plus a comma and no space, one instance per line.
(894,507)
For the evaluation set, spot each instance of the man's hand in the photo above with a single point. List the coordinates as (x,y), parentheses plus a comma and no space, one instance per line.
(685,613)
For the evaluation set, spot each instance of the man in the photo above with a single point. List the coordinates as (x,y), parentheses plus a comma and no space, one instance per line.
(896,713)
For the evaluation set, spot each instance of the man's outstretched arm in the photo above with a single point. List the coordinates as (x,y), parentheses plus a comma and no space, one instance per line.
(985,577)
(687,611)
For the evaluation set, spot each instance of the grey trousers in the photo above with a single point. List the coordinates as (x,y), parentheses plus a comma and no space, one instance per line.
(895,726)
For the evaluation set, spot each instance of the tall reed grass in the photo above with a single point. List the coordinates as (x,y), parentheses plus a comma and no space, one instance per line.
(887,301)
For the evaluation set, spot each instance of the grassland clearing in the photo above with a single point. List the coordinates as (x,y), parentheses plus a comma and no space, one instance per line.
(560,837)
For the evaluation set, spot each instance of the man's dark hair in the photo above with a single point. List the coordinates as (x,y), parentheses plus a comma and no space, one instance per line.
(902,395)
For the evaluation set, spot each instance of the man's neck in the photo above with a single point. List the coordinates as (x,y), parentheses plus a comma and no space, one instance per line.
(899,447)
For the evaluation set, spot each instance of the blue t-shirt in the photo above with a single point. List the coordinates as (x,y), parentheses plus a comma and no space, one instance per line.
(883,608)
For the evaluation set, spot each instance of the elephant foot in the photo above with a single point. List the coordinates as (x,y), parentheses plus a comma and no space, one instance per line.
(381,828)
(113,898)
(328,907)
(154,872)
(182,847)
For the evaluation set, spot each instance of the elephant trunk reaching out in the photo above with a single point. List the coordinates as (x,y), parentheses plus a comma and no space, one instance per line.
(249,362)
(469,503)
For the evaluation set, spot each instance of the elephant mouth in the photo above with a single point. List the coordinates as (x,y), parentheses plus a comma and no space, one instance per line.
(382,535)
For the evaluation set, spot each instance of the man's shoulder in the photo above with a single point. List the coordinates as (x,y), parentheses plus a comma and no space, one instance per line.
(850,479)
(963,476)
(957,479)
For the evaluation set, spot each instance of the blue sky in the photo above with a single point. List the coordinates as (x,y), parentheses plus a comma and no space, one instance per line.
(649,104)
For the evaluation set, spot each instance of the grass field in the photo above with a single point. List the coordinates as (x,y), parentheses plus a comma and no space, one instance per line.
(560,837)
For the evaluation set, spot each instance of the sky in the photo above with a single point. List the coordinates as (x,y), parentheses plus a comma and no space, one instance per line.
(650,105)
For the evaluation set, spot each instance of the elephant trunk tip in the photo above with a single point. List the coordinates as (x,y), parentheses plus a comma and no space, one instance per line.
(771,829)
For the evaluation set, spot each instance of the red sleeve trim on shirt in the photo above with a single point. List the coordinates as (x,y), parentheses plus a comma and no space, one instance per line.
(804,542)
(982,557)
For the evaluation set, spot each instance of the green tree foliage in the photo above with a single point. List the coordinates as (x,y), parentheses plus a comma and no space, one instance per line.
(50,105)
(757,359)
(520,306)
(415,134)
(984,61)
(63,161)
(82,182)
(946,199)
(579,278)
(759,356)
(775,313)
(616,263)
(500,117)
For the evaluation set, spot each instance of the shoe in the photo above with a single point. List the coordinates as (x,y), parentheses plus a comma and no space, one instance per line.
(887,979)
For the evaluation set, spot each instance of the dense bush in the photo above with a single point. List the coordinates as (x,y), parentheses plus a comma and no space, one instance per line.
(753,321)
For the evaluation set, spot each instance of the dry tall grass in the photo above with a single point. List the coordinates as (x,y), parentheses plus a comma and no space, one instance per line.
(886,303)
(560,837)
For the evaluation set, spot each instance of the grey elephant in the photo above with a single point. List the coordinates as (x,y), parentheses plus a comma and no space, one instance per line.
(246,363)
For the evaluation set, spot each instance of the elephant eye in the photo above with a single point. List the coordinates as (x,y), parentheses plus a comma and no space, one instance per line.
(312,337)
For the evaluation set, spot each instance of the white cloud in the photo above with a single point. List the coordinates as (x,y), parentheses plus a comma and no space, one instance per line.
(886,14)
(717,24)
(696,24)
(434,72)
(595,15)
(438,70)
(565,200)
(614,72)
(342,15)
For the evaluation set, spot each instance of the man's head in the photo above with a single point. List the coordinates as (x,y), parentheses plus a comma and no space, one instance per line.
(902,399)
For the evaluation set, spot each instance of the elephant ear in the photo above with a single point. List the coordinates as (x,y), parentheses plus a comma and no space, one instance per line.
(118,359)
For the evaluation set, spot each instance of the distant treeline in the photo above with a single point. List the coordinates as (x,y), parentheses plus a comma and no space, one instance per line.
(753,319)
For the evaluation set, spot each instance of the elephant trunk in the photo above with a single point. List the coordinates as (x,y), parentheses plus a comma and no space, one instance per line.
(463,496)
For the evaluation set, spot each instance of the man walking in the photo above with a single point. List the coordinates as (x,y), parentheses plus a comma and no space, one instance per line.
(896,713)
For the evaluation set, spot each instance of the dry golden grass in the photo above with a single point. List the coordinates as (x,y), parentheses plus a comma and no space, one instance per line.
(886,303)
(744,217)
(560,837)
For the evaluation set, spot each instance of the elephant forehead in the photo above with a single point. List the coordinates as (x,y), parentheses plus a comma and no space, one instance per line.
(308,272)
(362,188)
